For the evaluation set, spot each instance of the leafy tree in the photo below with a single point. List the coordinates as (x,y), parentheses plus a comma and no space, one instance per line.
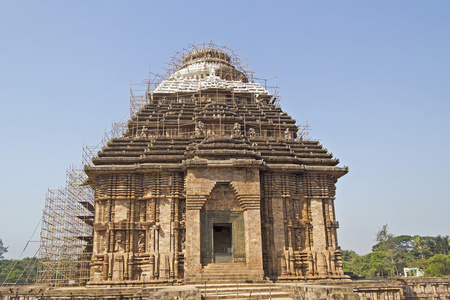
(377,264)
(3,249)
(403,243)
(384,238)
(438,265)
(440,245)
(428,246)
(352,261)
(386,245)
(392,253)
(22,271)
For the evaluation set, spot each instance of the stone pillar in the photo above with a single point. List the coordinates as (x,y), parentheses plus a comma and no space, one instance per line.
(319,230)
(278,232)
(253,240)
(319,235)
(192,260)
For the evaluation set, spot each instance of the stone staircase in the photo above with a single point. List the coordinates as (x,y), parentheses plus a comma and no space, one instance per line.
(243,291)
(229,273)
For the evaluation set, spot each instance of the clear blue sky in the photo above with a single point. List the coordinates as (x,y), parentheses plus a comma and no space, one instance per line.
(370,77)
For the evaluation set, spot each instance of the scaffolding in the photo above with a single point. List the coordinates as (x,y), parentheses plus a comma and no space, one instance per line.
(67,221)
(175,61)
(66,233)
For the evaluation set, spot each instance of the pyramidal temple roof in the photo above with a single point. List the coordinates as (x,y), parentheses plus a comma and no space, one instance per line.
(208,110)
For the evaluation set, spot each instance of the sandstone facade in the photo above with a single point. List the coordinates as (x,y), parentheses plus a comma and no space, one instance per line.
(210,174)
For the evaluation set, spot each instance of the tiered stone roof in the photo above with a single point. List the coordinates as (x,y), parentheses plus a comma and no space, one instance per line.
(210,105)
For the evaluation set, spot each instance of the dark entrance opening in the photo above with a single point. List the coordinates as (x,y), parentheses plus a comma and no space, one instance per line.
(223,243)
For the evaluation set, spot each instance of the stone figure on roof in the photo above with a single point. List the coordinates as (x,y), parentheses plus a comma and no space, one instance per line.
(237,129)
(143,132)
(200,127)
(212,72)
(287,134)
(252,132)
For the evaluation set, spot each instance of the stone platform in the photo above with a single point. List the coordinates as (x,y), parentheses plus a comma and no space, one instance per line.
(395,288)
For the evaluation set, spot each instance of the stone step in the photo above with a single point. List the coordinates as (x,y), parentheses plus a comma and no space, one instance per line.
(247,295)
(266,284)
(226,271)
(243,271)
(219,275)
(228,281)
(240,289)
(226,266)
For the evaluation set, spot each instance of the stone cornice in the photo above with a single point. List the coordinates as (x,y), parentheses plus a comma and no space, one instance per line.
(239,163)
(336,172)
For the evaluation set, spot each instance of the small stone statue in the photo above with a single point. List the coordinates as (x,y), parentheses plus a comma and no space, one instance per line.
(200,127)
(237,129)
(252,132)
(143,132)
(287,134)
(183,239)
(141,242)
(119,245)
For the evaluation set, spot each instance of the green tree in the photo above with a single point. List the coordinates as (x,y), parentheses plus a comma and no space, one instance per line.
(377,264)
(384,238)
(3,249)
(438,265)
(403,243)
(22,271)
(386,246)
(352,261)
(392,253)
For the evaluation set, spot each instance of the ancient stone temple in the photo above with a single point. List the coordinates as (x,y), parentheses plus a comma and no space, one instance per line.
(211,181)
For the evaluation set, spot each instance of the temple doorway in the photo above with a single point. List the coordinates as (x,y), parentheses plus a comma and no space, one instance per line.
(223,242)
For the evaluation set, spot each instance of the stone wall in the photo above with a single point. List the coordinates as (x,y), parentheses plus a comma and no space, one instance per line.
(299,226)
(383,289)
(426,288)
(139,228)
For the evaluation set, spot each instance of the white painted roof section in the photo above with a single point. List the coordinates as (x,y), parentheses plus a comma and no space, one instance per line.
(202,76)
